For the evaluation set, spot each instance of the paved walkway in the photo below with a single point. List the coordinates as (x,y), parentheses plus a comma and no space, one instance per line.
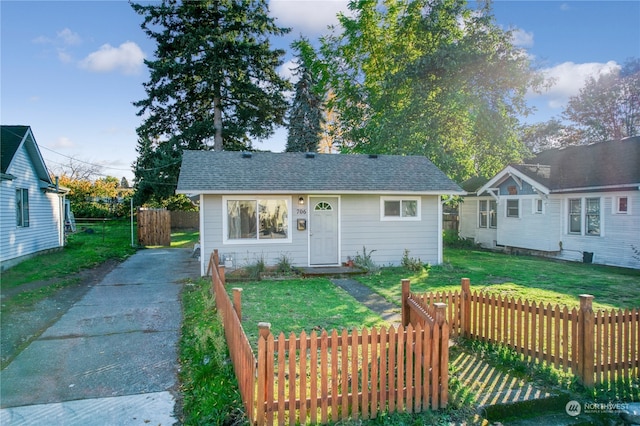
(112,358)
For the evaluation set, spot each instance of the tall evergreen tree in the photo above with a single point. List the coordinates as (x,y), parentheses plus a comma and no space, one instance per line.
(305,115)
(213,83)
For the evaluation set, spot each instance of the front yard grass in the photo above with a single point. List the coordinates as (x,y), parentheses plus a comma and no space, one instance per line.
(300,304)
(524,277)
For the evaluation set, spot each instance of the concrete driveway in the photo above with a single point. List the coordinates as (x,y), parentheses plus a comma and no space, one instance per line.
(112,358)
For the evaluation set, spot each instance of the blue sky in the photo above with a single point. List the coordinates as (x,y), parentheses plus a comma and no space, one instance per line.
(71,69)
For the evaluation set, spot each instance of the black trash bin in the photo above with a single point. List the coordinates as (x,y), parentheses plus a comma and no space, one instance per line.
(587,256)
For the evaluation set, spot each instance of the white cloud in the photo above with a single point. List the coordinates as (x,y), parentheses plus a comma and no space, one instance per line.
(63,142)
(522,38)
(127,58)
(570,77)
(565,6)
(308,17)
(68,37)
(286,70)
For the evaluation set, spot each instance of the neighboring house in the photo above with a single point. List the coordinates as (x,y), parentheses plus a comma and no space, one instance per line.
(577,203)
(31,205)
(316,209)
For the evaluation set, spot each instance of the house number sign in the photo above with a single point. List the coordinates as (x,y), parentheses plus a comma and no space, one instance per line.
(301,211)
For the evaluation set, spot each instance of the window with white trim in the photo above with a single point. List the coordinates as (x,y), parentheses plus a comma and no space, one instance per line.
(22,207)
(584,216)
(592,215)
(513,208)
(622,205)
(400,208)
(487,217)
(575,216)
(538,206)
(493,214)
(483,213)
(262,219)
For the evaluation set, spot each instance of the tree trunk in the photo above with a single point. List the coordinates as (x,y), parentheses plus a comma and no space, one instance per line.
(217,123)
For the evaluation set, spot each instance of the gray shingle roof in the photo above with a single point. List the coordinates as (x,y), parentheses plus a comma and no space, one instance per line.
(597,165)
(264,172)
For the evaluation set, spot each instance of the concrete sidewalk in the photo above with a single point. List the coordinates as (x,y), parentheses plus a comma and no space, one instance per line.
(112,358)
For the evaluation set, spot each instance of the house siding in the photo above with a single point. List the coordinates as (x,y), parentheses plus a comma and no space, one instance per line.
(619,232)
(548,232)
(360,226)
(469,229)
(534,231)
(45,229)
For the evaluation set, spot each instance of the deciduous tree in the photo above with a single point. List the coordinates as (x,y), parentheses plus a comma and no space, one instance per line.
(607,107)
(429,77)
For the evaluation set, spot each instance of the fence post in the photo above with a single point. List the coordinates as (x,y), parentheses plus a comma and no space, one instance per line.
(221,273)
(406,288)
(237,302)
(441,313)
(585,340)
(465,308)
(262,371)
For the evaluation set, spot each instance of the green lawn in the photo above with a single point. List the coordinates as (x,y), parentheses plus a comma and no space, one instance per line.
(300,304)
(523,277)
(91,245)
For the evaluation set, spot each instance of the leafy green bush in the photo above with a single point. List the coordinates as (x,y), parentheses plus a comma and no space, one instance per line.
(451,239)
(413,264)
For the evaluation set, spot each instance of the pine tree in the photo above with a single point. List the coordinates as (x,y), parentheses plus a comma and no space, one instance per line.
(305,115)
(213,82)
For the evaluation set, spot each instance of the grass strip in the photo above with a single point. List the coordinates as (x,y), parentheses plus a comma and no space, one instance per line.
(208,384)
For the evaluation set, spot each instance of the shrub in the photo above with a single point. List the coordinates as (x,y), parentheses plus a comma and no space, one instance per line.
(451,239)
(284,264)
(365,261)
(413,264)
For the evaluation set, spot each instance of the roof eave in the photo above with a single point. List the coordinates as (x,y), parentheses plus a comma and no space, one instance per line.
(508,171)
(316,192)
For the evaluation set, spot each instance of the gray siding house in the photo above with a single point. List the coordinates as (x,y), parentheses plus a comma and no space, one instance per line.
(578,203)
(316,209)
(31,205)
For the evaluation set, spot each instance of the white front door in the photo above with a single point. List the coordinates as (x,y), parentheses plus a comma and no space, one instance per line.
(323,231)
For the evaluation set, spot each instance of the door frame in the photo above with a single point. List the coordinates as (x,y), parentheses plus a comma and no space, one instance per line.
(339,236)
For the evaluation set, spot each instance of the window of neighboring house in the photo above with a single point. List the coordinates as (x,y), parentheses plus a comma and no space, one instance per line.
(483,213)
(513,208)
(257,219)
(487,217)
(622,205)
(493,214)
(22,207)
(593,216)
(584,216)
(400,208)
(538,206)
(575,216)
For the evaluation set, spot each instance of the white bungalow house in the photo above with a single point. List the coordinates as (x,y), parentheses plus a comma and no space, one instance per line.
(32,206)
(578,203)
(316,209)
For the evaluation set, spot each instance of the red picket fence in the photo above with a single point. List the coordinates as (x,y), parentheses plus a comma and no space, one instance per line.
(597,347)
(335,375)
